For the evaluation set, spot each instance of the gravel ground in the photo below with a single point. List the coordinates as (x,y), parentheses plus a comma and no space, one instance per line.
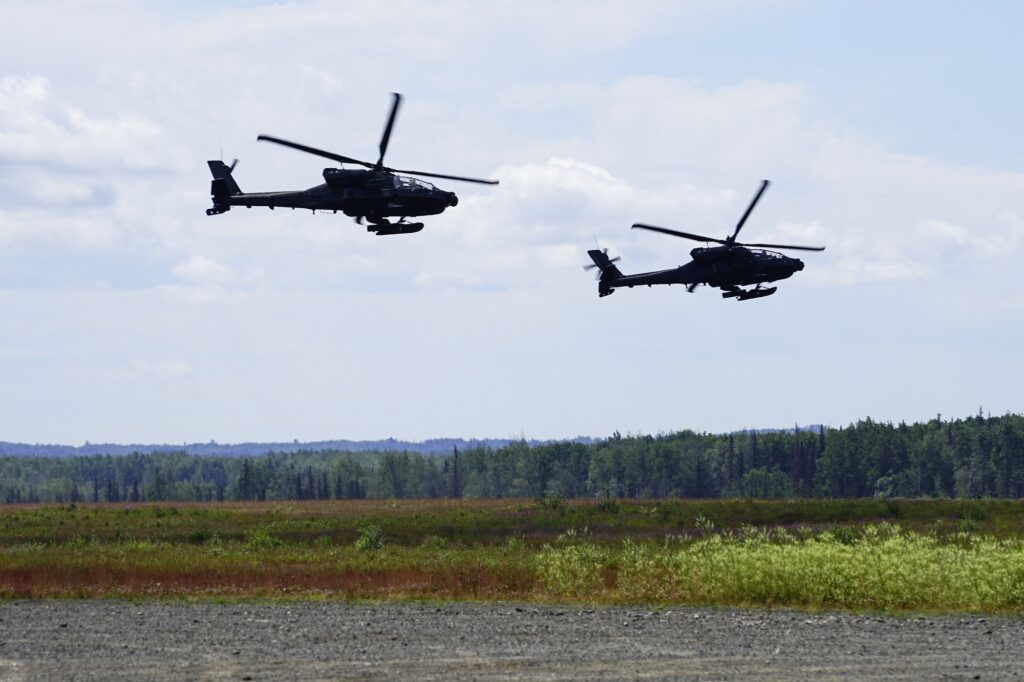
(311,640)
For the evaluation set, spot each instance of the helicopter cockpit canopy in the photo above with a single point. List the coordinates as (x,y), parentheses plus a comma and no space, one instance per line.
(764,253)
(714,253)
(406,182)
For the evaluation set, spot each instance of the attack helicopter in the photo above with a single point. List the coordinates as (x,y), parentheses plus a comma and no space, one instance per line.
(729,267)
(372,193)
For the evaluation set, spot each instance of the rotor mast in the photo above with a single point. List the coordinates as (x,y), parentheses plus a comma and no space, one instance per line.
(731,239)
(383,148)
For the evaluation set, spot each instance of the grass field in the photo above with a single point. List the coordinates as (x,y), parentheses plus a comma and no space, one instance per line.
(928,555)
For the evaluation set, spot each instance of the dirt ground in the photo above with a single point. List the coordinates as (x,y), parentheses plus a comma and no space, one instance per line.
(86,640)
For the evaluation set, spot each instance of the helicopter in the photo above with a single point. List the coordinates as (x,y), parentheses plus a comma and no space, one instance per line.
(372,193)
(729,267)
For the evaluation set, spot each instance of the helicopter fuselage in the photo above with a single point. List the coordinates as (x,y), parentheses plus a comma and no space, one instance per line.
(728,267)
(373,193)
(725,267)
(368,194)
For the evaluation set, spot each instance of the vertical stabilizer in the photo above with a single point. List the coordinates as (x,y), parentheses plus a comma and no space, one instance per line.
(609,273)
(223,186)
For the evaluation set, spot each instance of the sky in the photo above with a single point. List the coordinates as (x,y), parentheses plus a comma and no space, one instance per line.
(889,131)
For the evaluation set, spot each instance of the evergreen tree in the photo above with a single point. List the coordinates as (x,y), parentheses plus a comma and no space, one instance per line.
(456,490)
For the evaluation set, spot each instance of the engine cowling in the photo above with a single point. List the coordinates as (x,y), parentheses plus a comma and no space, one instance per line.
(339,178)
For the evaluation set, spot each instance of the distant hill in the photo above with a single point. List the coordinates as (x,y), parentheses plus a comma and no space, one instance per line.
(433,446)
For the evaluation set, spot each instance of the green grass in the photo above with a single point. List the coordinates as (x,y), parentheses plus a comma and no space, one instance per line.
(484,522)
(935,556)
(882,568)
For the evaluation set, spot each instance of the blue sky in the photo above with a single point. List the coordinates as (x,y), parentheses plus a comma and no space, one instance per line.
(889,130)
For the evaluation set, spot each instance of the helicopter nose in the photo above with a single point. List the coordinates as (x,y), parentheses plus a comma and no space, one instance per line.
(452,199)
(799,264)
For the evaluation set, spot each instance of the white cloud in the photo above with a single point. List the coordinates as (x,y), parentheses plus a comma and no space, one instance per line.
(102,179)
(203,270)
(36,127)
(160,369)
(1003,243)
(852,269)
(49,229)
(637,156)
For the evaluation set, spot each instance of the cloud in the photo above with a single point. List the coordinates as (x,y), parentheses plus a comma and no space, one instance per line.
(635,157)
(852,269)
(1001,242)
(159,369)
(141,371)
(549,201)
(37,128)
(206,271)
(65,174)
(577,158)
(871,206)
(107,118)
(51,230)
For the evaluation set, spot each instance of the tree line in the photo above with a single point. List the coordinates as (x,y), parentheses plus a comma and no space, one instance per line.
(980,456)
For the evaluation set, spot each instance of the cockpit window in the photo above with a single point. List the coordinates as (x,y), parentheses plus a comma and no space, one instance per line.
(404,181)
(764,253)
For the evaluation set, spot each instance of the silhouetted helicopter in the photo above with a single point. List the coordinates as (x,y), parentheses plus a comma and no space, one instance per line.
(728,267)
(374,194)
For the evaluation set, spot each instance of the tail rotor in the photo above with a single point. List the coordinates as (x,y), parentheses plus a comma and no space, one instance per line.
(608,274)
(602,263)
(223,186)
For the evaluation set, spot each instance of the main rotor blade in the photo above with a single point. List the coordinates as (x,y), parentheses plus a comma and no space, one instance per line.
(785,246)
(445,177)
(387,128)
(677,233)
(313,150)
(739,225)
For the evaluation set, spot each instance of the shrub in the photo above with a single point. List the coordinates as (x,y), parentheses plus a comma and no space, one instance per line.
(160,512)
(516,543)
(552,502)
(574,570)
(973,511)
(842,534)
(261,539)
(967,525)
(434,542)
(199,536)
(886,569)
(78,541)
(704,524)
(573,535)
(371,538)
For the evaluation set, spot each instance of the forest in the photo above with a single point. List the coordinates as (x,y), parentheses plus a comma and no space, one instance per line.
(976,457)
